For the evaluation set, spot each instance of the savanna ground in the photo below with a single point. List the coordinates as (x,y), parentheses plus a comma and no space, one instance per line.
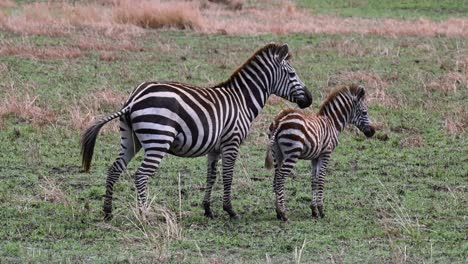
(400,197)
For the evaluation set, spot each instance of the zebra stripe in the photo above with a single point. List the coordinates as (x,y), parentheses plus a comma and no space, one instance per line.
(294,136)
(190,121)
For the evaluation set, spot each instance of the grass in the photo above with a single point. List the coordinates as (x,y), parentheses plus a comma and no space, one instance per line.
(400,9)
(399,197)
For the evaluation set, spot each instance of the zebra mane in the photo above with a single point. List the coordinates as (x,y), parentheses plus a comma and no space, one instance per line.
(266,48)
(352,89)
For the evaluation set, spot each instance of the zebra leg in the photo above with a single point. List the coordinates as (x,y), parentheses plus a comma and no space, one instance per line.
(318,185)
(151,161)
(213,158)
(281,173)
(130,146)
(229,159)
(314,181)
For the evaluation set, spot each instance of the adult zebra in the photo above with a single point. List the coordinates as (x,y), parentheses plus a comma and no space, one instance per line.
(190,121)
(295,136)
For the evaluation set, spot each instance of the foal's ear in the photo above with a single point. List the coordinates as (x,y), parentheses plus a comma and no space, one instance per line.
(283,52)
(361,92)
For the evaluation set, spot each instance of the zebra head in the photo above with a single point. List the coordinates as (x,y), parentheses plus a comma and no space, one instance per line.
(359,115)
(288,85)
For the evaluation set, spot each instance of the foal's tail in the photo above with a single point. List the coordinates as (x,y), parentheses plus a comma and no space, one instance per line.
(271,144)
(88,140)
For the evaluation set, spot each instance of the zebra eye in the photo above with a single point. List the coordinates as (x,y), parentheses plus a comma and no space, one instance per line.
(364,112)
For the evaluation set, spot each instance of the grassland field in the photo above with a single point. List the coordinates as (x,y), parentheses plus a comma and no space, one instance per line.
(399,197)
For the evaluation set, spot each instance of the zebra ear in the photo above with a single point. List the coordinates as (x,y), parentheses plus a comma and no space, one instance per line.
(283,52)
(361,92)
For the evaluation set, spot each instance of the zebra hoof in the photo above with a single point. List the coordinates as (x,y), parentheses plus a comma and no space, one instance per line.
(320,211)
(234,216)
(209,215)
(208,212)
(317,212)
(230,211)
(107,216)
(282,216)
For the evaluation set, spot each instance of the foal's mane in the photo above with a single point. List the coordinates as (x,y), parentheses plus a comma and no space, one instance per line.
(353,89)
(266,48)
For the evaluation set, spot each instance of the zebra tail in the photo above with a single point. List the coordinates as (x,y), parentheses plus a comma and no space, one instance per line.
(269,159)
(88,140)
(271,143)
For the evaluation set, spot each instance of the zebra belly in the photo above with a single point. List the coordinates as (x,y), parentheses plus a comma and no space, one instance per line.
(179,150)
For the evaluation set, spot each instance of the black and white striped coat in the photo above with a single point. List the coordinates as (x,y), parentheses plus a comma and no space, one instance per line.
(294,136)
(190,121)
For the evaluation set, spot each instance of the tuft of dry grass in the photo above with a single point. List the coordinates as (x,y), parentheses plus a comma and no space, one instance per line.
(22,104)
(231,4)
(456,122)
(414,141)
(155,14)
(450,82)
(51,191)
(158,227)
(95,42)
(33,52)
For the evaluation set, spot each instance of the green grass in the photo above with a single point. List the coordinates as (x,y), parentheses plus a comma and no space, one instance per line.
(386,200)
(400,9)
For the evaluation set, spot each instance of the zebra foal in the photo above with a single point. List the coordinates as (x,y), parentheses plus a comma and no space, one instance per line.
(295,136)
(190,121)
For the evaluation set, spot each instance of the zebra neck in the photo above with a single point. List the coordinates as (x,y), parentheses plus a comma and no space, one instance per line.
(337,113)
(250,90)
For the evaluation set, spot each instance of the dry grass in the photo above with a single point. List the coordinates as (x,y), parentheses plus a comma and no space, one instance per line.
(450,82)
(33,52)
(456,123)
(61,18)
(123,17)
(83,114)
(51,191)
(97,43)
(231,4)
(155,14)
(7,3)
(414,141)
(23,104)
(81,46)
(277,19)
(158,228)
(376,87)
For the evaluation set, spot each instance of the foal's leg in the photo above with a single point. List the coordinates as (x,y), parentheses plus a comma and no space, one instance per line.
(318,181)
(282,171)
(213,158)
(130,146)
